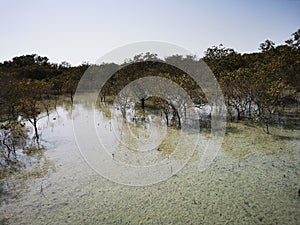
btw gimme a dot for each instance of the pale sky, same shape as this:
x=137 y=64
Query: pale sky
x=77 y=31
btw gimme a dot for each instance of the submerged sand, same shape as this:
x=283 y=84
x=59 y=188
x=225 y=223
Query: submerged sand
x=253 y=180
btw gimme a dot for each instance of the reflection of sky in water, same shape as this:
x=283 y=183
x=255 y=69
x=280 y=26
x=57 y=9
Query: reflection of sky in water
x=140 y=139
x=135 y=145
x=254 y=178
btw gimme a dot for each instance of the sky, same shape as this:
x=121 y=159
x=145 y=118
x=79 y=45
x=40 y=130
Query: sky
x=83 y=31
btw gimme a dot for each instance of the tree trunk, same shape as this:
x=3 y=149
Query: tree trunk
x=143 y=103
x=36 y=129
x=71 y=96
x=34 y=124
x=176 y=114
x=167 y=118
x=8 y=148
x=267 y=127
x=238 y=113
x=249 y=109
x=123 y=111
x=179 y=120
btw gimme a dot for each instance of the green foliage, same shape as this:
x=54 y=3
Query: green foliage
x=268 y=45
x=31 y=66
x=255 y=85
x=258 y=85
x=295 y=41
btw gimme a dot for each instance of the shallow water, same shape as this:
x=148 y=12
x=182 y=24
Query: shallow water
x=253 y=180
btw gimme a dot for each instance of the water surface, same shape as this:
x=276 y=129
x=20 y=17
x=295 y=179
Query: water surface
x=253 y=180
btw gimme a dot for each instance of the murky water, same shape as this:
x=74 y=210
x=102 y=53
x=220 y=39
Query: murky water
x=254 y=179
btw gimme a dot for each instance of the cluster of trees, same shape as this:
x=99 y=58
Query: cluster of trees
x=255 y=85
x=258 y=85
x=30 y=85
x=143 y=67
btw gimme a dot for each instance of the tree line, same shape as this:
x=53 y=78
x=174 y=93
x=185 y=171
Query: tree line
x=256 y=86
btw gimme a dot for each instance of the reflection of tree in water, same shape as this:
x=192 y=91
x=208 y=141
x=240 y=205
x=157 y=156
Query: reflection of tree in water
x=136 y=112
x=135 y=143
x=136 y=132
x=105 y=109
x=168 y=145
